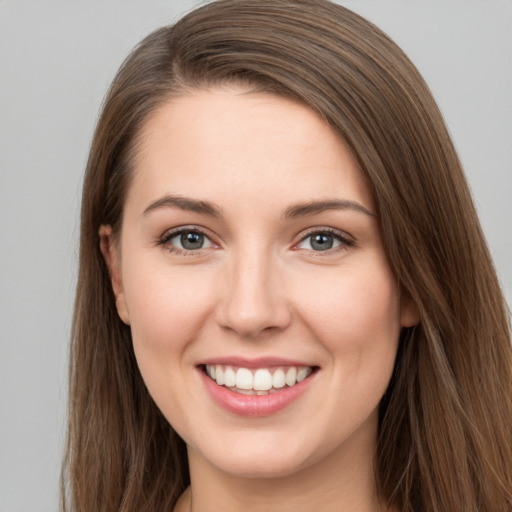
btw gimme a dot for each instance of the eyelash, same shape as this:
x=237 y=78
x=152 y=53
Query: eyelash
x=169 y=235
x=344 y=241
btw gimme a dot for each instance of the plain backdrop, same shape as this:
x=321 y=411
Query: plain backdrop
x=56 y=61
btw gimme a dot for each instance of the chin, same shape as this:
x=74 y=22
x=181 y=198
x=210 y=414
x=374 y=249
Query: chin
x=262 y=456
x=260 y=467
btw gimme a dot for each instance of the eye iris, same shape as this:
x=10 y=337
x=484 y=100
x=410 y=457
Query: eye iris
x=321 y=242
x=191 y=240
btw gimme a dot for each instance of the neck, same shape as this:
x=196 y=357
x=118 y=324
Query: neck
x=343 y=480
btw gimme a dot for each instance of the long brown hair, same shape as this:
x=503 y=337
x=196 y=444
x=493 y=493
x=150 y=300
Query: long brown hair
x=445 y=434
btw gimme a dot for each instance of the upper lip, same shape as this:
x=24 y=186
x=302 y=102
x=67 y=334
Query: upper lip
x=259 y=362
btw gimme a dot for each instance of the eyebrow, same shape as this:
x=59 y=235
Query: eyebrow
x=182 y=203
x=315 y=207
x=293 y=212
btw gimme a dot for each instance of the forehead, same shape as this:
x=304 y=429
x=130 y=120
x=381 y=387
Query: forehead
x=228 y=141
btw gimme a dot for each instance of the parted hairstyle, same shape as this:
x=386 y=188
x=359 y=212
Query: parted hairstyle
x=445 y=422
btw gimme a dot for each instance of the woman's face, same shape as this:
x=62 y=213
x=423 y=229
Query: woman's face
x=250 y=252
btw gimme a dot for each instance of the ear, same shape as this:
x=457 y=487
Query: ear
x=409 y=312
x=112 y=259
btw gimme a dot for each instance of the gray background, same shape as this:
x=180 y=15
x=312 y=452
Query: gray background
x=56 y=61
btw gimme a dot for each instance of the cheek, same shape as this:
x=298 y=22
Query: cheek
x=167 y=311
x=354 y=311
x=167 y=308
x=357 y=323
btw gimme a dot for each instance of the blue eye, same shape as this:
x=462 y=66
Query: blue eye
x=191 y=241
x=186 y=240
x=321 y=242
x=324 y=240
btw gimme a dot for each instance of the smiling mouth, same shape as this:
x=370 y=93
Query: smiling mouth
x=257 y=381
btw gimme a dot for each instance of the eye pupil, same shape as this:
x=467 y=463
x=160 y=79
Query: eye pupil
x=321 y=242
x=192 y=240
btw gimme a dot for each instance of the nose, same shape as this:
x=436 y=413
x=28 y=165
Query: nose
x=253 y=300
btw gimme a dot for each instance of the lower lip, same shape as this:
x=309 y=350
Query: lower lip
x=254 y=405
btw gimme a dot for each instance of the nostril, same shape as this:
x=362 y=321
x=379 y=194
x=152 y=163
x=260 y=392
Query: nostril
x=251 y=302
x=253 y=320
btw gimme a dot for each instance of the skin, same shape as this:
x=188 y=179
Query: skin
x=258 y=288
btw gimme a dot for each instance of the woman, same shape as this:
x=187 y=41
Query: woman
x=285 y=300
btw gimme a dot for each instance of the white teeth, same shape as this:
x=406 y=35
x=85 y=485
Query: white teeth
x=291 y=376
x=219 y=375
x=278 y=379
x=261 y=381
x=229 y=377
x=243 y=379
x=303 y=373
